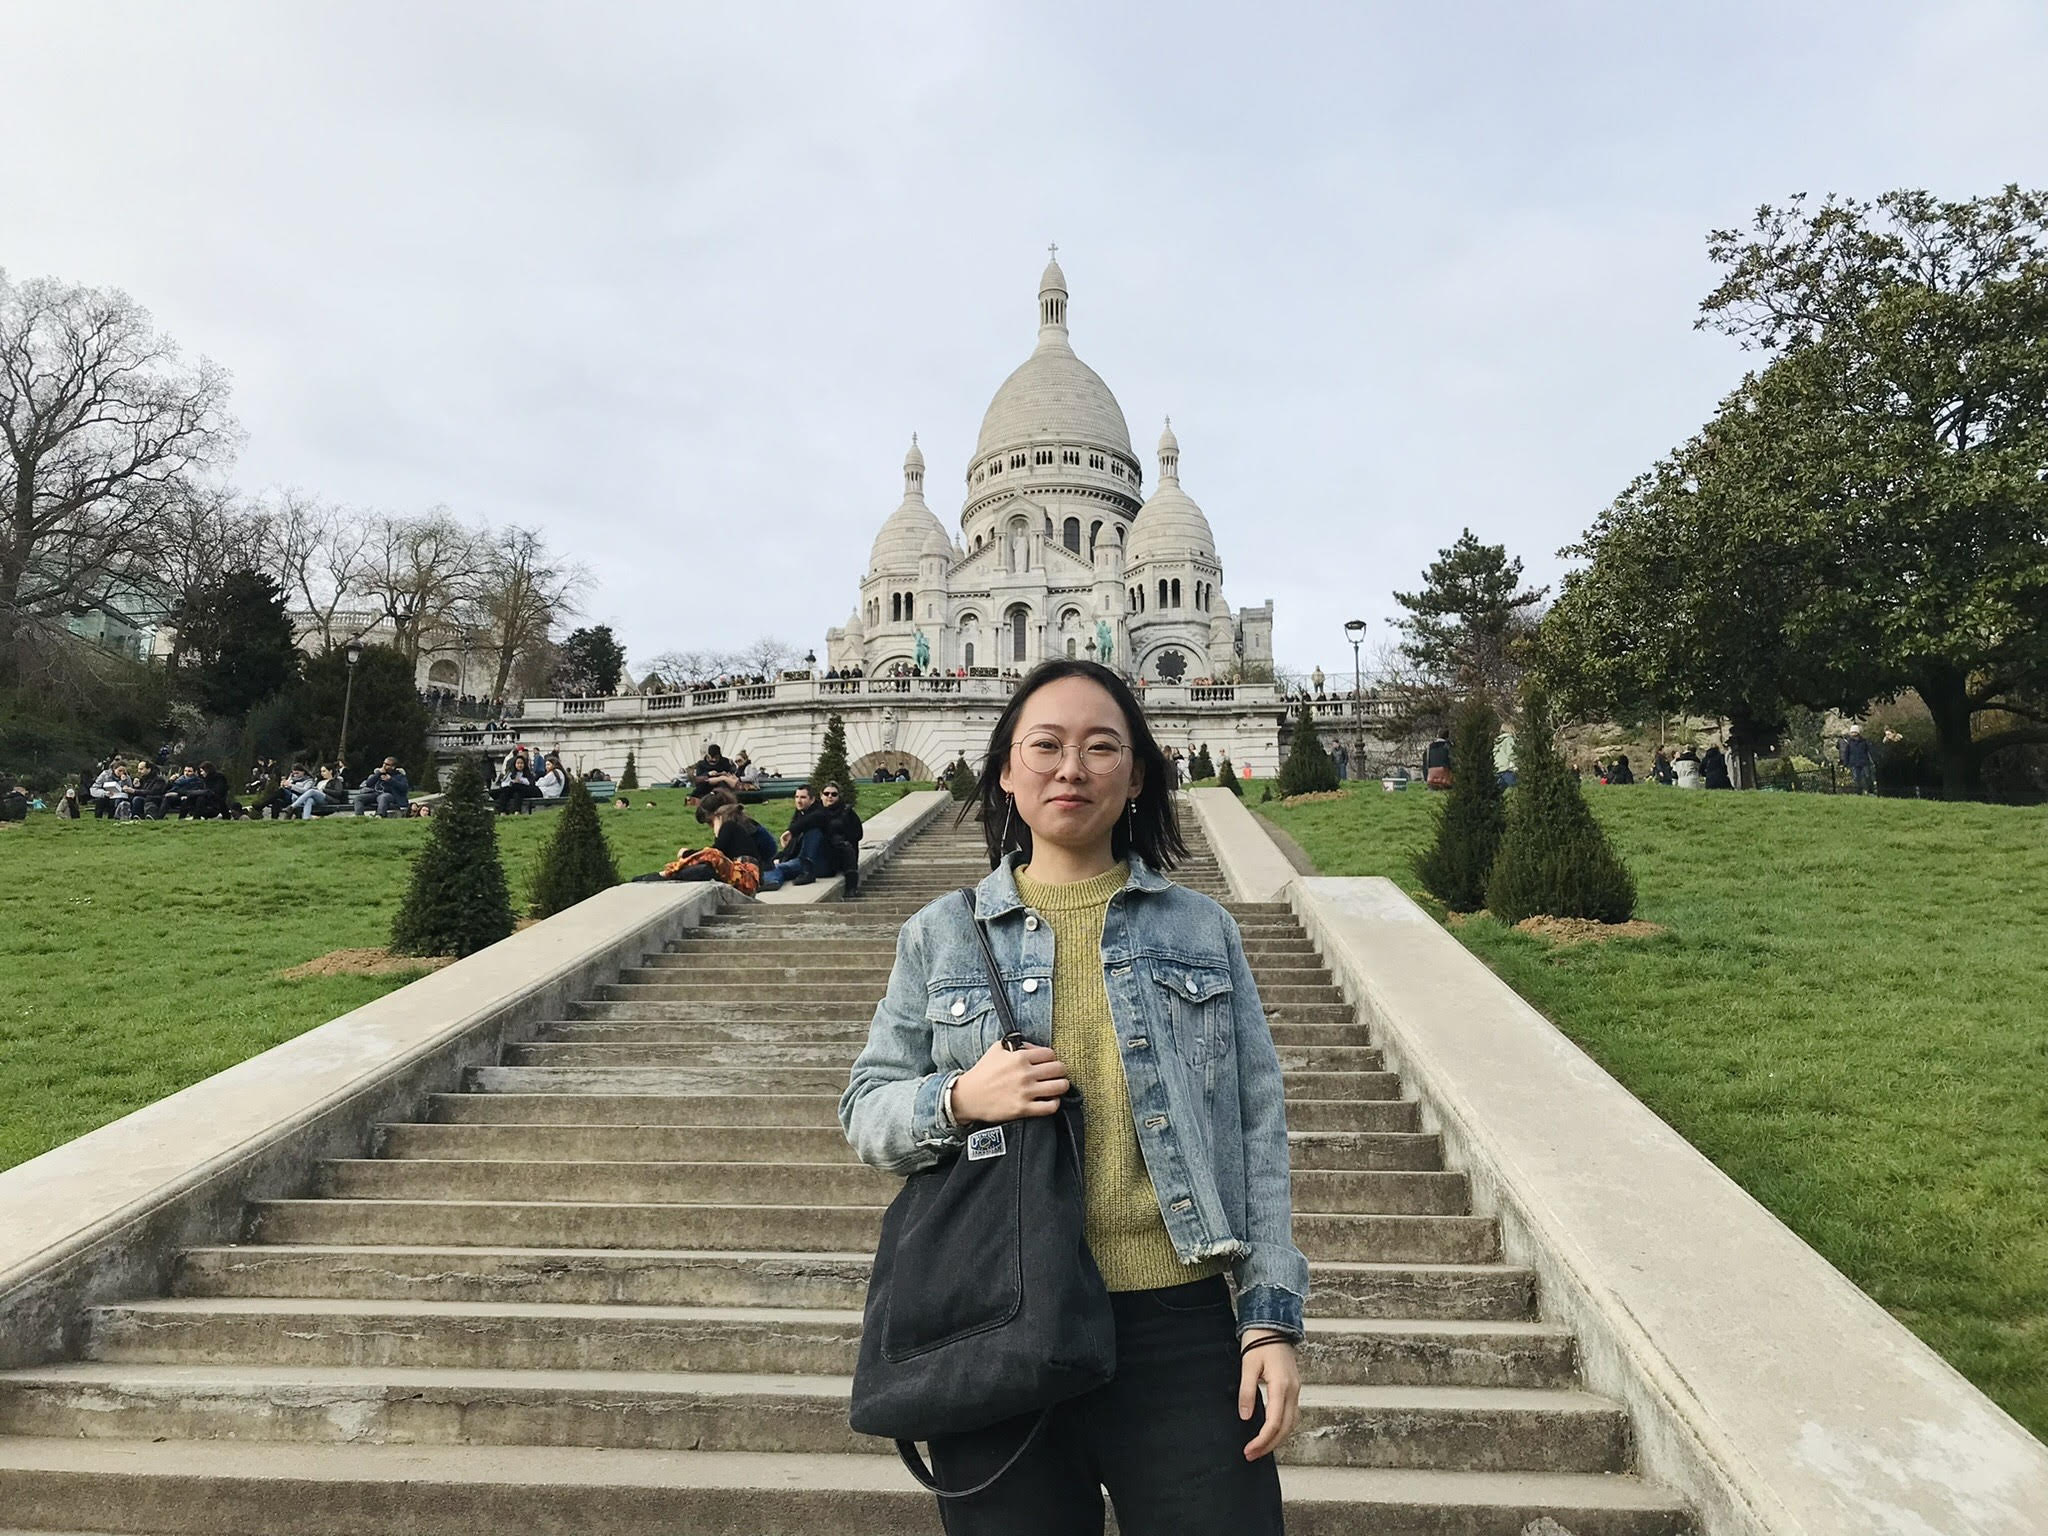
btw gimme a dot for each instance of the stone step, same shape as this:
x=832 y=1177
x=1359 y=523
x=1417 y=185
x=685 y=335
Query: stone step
x=1478 y=1292
x=1445 y=1428
x=624 y=1028
x=1430 y=1239
x=637 y=983
x=223 y=1488
x=1401 y=1191
x=845 y=974
x=740 y=950
x=515 y=1336
x=799 y=1109
x=849 y=1010
x=775 y=1144
x=618 y=1143
x=730 y=1080
x=797 y=1050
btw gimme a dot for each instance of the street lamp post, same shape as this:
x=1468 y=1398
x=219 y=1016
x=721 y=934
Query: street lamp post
x=1354 y=631
x=355 y=654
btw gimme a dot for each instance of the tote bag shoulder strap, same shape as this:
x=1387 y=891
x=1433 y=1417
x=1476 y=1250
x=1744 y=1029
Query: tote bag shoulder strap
x=995 y=976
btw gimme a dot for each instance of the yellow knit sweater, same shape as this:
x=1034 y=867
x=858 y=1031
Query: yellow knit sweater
x=1126 y=1232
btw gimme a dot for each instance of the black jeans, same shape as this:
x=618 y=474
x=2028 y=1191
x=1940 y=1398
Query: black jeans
x=1164 y=1438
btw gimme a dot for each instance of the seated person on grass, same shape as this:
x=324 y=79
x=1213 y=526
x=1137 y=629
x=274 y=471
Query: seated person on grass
x=714 y=770
x=516 y=787
x=386 y=791
x=553 y=782
x=146 y=800
x=282 y=800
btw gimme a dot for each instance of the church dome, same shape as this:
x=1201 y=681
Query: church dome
x=1053 y=395
x=1169 y=526
x=913 y=529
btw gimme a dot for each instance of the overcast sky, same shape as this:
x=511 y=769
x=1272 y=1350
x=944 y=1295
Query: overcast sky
x=677 y=282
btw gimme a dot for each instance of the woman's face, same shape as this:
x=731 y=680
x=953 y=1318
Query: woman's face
x=1073 y=800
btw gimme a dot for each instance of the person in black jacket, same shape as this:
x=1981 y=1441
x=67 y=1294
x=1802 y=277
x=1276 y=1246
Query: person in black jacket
x=803 y=851
x=147 y=798
x=843 y=831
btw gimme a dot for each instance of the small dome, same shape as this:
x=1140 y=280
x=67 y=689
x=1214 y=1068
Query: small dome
x=854 y=625
x=909 y=532
x=1052 y=280
x=1169 y=526
x=915 y=458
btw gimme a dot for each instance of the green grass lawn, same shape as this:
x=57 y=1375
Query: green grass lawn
x=1849 y=1015
x=138 y=957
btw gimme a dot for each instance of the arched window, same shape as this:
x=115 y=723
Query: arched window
x=1162 y=591
x=895 y=607
x=1070 y=647
x=1119 y=535
x=1095 y=461
x=1018 y=617
x=1069 y=456
x=977 y=541
x=1016 y=461
x=969 y=653
x=1176 y=592
x=1094 y=535
x=1070 y=535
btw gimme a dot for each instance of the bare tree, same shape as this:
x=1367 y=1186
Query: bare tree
x=766 y=656
x=99 y=421
x=419 y=572
x=681 y=669
x=522 y=590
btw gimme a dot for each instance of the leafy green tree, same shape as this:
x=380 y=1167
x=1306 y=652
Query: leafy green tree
x=1554 y=859
x=457 y=902
x=590 y=661
x=385 y=715
x=629 y=776
x=1308 y=769
x=1226 y=777
x=1467 y=626
x=832 y=766
x=577 y=861
x=1870 y=504
x=1469 y=821
x=235 y=643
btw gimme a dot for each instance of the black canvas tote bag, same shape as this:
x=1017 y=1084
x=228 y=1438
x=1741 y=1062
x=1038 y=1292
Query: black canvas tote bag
x=984 y=1303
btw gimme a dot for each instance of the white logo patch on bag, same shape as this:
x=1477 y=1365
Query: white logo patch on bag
x=987 y=1142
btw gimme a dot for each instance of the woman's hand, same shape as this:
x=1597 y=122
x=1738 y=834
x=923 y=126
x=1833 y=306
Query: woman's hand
x=1008 y=1085
x=1278 y=1368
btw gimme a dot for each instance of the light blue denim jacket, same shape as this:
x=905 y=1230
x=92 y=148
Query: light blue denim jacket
x=1205 y=1088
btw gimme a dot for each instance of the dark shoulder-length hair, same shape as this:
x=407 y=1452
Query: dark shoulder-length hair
x=1153 y=832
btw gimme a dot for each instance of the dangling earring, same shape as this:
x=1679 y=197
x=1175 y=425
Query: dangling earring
x=1132 y=843
x=1003 y=842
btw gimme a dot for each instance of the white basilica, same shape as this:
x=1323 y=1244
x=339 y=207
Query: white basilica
x=1060 y=554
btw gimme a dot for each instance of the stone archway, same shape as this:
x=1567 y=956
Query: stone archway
x=892 y=761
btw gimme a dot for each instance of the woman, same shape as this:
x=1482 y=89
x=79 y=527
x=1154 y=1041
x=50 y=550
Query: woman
x=740 y=848
x=516 y=787
x=1137 y=992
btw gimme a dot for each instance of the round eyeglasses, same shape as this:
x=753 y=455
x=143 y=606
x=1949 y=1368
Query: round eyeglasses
x=1044 y=754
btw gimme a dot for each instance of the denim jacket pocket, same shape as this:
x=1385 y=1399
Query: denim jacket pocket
x=1197 y=1006
x=962 y=1017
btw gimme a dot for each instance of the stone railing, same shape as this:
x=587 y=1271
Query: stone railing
x=807 y=690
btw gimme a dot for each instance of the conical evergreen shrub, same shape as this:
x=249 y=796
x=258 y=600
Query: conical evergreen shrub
x=1202 y=768
x=1308 y=769
x=1226 y=777
x=833 y=767
x=629 y=776
x=430 y=776
x=458 y=901
x=1469 y=819
x=1554 y=859
x=577 y=861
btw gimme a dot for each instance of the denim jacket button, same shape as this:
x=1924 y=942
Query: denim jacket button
x=1031 y=984
x=958 y=1009
x=1031 y=921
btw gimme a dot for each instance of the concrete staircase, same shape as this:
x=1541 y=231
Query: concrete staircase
x=615 y=1286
